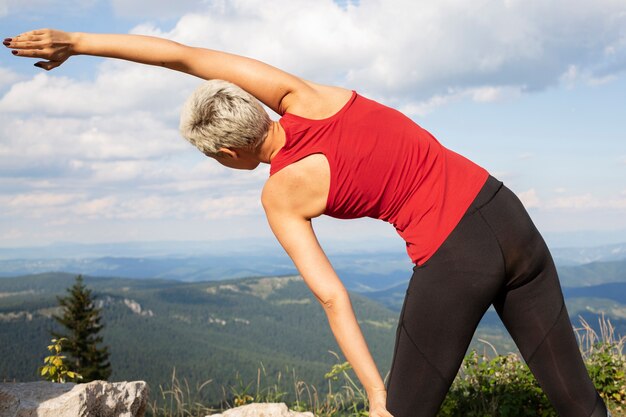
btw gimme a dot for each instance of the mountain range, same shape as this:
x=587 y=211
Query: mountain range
x=232 y=314
x=191 y=262
x=228 y=331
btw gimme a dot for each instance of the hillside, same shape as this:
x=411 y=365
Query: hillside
x=206 y=330
x=583 y=299
x=220 y=329
x=582 y=277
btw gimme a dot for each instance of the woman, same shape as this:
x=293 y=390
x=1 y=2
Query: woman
x=338 y=153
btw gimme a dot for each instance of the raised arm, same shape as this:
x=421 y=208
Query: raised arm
x=277 y=89
x=289 y=204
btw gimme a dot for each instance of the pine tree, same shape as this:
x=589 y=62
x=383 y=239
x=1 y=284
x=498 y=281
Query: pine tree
x=82 y=320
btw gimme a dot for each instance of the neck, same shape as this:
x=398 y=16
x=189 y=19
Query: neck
x=274 y=141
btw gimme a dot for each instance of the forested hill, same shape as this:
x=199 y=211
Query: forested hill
x=206 y=330
x=218 y=330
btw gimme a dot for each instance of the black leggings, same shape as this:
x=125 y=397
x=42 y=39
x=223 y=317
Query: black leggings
x=495 y=255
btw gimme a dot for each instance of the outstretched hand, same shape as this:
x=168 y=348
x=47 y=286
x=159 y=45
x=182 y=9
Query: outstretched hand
x=54 y=46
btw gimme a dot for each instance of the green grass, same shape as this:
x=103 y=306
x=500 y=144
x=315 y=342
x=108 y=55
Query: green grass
x=486 y=385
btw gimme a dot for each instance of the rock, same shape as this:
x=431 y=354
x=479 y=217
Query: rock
x=262 y=410
x=51 y=399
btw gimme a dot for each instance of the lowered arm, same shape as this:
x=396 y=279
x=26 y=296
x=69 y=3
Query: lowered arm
x=288 y=214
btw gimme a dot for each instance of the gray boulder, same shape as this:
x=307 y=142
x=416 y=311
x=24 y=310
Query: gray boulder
x=50 y=399
x=262 y=410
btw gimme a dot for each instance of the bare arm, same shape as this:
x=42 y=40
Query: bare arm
x=289 y=206
x=275 y=88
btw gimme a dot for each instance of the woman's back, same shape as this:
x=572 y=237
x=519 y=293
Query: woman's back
x=385 y=166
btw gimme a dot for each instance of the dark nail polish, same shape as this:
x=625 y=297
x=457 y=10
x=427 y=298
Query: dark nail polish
x=14 y=52
x=5 y=43
x=8 y=39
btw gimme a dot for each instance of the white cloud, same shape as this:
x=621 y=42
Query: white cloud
x=420 y=55
x=574 y=202
x=422 y=108
x=494 y=94
x=73 y=151
x=8 y=77
x=13 y=233
x=47 y=141
x=36 y=205
x=570 y=76
x=27 y=201
x=96 y=207
x=417 y=56
x=119 y=87
x=231 y=206
x=580 y=202
x=413 y=49
x=586 y=202
x=594 y=81
x=530 y=199
x=486 y=94
x=574 y=76
x=76 y=208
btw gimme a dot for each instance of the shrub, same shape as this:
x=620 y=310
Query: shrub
x=501 y=386
x=605 y=361
x=55 y=369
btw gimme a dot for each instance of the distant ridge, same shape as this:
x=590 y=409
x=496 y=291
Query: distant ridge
x=584 y=255
x=360 y=271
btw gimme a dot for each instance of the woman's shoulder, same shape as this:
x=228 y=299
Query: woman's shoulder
x=317 y=101
x=302 y=185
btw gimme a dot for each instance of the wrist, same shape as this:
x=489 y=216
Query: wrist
x=77 y=43
x=376 y=394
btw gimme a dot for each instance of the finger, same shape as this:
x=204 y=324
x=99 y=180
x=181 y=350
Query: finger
x=26 y=37
x=29 y=53
x=32 y=33
x=25 y=43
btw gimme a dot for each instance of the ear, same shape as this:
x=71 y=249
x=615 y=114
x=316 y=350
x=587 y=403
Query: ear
x=228 y=153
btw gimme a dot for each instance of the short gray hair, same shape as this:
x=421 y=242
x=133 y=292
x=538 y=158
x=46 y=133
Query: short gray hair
x=219 y=114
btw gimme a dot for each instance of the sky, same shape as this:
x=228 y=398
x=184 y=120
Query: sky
x=532 y=91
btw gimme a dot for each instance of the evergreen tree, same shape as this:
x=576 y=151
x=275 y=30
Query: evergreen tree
x=82 y=319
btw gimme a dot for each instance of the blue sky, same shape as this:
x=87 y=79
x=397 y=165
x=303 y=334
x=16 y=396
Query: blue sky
x=535 y=93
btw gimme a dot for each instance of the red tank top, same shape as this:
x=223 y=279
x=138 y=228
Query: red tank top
x=383 y=165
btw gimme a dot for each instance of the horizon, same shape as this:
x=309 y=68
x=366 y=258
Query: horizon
x=241 y=246
x=601 y=239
